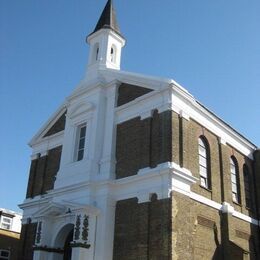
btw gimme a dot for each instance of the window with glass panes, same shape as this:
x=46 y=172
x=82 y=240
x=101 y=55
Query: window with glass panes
x=247 y=186
x=203 y=164
x=81 y=142
x=234 y=180
x=6 y=222
x=4 y=254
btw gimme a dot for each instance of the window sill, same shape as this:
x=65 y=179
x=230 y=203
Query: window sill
x=249 y=209
x=75 y=162
x=205 y=188
x=237 y=203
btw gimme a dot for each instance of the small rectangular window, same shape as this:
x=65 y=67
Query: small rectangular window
x=4 y=254
x=234 y=181
x=81 y=142
x=203 y=163
x=6 y=222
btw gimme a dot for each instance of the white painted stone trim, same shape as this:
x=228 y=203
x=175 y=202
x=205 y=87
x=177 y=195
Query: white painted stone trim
x=246 y=218
x=44 y=129
x=162 y=180
x=143 y=106
x=224 y=207
x=210 y=121
x=188 y=105
x=47 y=143
x=227 y=208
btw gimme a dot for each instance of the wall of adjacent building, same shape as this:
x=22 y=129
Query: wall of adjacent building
x=10 y=241
x=10 y=238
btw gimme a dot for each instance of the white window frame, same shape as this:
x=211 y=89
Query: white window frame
x=5 y=257
x=234 y=180
x=203 y=168
x=96 y=52
x=77 y=115
x=113 y=52
x=3 y=222
x=78 y=147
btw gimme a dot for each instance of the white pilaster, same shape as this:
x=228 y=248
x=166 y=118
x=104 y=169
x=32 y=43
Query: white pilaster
x=108 y=156
x=105 y=229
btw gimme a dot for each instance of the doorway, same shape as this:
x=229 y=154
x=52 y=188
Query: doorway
x=67 y=246
x=63 y=240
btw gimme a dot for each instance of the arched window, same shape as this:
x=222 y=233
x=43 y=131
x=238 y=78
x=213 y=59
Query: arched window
x=204 y=165
x=95 y=54
x=113 y=54
x=234 y=180
x=247 y=186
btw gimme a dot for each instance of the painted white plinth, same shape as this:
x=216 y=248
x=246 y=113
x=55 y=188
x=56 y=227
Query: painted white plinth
x=80 y=253
x=40 y=255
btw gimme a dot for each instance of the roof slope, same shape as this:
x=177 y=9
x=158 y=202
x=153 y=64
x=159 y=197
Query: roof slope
x=107 y=19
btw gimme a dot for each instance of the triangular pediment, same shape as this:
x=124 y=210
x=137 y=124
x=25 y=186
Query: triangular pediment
x=53 y=126
x=79 y=109
x=58 y=126
x=140 y=80
x=51 y=209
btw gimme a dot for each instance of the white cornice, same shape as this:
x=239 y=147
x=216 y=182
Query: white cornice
x=181 y=103
x=86 y=87
x=136 y=79
x=106 y=31
x=47 y=143
x=163 y=180
x=187 y=108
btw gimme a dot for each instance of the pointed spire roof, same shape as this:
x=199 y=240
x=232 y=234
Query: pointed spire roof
x=107 y=19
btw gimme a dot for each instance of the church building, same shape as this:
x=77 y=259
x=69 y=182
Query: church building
x=133 y=167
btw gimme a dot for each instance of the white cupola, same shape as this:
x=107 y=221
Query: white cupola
x=105 y=42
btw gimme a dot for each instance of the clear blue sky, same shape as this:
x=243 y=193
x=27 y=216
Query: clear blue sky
x=212 y=48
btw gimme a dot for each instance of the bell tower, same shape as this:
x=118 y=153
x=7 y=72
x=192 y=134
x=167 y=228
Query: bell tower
x=106 y=43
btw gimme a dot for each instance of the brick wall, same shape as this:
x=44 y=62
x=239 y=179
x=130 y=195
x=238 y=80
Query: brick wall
x=58 y=126
x=127 y=93
x=182 y=229
x=219 y=166
x=10 y=241
x=27 y=241
x=191 y=131
x=201 y=232
x=142 y=231
x=52 y=167
x=143 y=143
x=42 y=173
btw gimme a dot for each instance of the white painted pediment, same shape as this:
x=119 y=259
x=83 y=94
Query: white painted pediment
x=78 y=207
x=155 y=83
x=80 y=109
x=51 y=209
x=39 y=136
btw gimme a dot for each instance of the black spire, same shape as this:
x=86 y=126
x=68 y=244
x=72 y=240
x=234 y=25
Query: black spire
x=107 y=19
